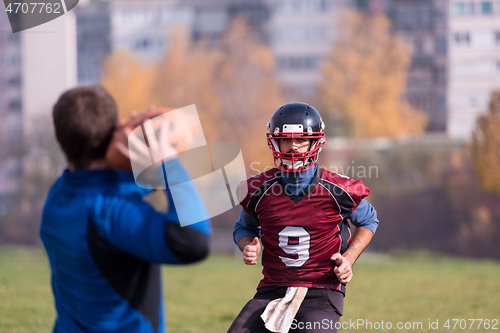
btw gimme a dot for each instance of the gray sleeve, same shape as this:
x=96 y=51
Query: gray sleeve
x=246 y=225
x=365 y=216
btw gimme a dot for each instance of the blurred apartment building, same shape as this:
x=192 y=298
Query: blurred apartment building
x=35 y=67
x=143 y=26
x=456 y=57
x=473 y=62
x=303 y=31
x=423 y=25
x=93 y=23
x=301 y=35
x=455 y=44
x=10 y=110
x=49 y=67
x=300 y=32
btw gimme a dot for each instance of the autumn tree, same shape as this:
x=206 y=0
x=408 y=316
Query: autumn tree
x=364 y=76
x=129 y=81
x=232 y=84
x=184 y=75
x=248 y=92
x=486 y=146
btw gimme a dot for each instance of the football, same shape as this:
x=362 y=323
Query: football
x=182 y=130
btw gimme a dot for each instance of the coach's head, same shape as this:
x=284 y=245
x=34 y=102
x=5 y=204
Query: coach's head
x=84 y=121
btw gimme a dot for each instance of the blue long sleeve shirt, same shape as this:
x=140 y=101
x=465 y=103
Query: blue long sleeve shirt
x=105 y=245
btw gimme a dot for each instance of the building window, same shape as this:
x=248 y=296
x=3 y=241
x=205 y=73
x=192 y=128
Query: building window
x=459 y=9
x=441 y=45
x=469 y=8
x=279 y=7
x=497 y=37
x=417 y=46
x=143 y=44
x=15 y=61
x=302 y=35
x=15 y=105
x=323 y=6
x=462 y=38
x=297 y=6
x=302 y=6
x=15 y=134
x=441 y=103
x=15 y=82
x=413 y=19
x=362 y=4
x=14 y=38
x=16 y=172
x=440 y=75
x=440 y=17
x=486 y=8
x=298 y=62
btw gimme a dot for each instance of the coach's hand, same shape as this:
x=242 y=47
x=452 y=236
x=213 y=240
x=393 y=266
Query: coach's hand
x=343 y=269
x=250 y=248
x=140 y=153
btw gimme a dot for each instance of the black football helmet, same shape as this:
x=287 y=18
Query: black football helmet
x=295 y=120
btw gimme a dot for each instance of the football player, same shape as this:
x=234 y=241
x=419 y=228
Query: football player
x=299 y=211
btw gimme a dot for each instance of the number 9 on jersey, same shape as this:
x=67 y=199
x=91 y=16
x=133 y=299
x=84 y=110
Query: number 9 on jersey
x=294 y=241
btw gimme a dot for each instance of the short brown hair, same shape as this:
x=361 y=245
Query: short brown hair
x=84 y=120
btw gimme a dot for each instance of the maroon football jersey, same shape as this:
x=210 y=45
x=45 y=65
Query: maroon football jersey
x=301 y=233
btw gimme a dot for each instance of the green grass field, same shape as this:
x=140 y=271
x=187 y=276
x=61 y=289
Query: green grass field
x=407 y=289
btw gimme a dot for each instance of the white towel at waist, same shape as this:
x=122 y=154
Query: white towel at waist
x=279 y=313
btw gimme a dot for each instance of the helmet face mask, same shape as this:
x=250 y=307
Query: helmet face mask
x=296 y=121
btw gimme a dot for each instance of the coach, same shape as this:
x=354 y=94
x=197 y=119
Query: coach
x=104 y=243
